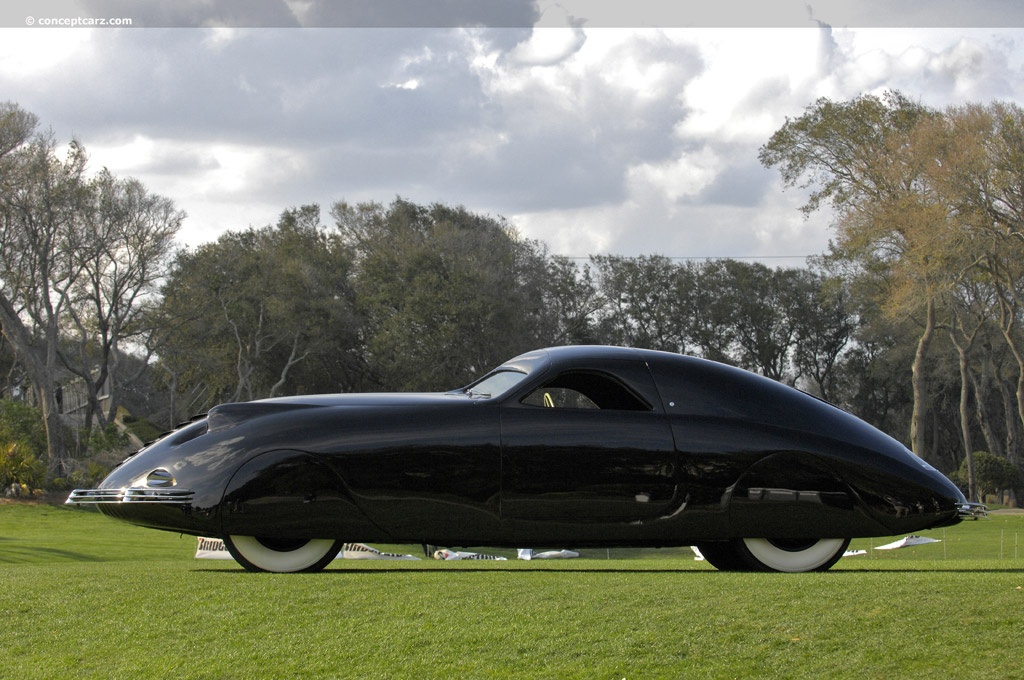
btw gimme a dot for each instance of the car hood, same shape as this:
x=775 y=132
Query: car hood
x=230 y=414
x=366 y=399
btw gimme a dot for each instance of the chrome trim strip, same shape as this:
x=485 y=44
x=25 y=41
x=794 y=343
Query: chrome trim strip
x=130 y=495
x=972 y=511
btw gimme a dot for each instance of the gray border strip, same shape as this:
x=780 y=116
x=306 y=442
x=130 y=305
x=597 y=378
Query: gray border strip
x=40 y=14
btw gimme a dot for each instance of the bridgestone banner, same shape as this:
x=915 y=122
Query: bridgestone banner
x=211 y=549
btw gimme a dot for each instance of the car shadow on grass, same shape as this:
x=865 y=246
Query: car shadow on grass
x=833 y=573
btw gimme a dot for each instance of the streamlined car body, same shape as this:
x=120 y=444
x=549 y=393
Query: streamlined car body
x=566 y=446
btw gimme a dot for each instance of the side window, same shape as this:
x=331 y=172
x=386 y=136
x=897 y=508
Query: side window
x=584 y=390
x=559 y=397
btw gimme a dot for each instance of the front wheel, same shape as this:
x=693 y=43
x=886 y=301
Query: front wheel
x=282 y=555
x=792 y=555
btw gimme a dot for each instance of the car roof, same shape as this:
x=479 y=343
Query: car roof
x=576 y=353
x=566 y=357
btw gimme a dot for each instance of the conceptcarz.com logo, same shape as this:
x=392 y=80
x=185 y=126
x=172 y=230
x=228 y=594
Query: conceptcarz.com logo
x=77 y=22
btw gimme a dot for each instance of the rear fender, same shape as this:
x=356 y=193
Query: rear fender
x=795 y=495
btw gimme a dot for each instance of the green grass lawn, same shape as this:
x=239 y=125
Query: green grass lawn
x=85 y=596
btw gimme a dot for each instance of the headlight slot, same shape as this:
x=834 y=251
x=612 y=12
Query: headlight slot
x=160 y=479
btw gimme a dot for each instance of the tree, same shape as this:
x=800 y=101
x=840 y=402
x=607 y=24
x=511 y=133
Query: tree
x=128 y=237
x=868 y=159
x=707 y=317
x=989 y=175
x=445 y=294
x=78 y=258
x=994 y=474
x=763 y=308
x=969 y=317
x=41 y=206
x=16 y=128
x=243 y=314
x=824 y=325
x=571 y=303
x=642 y=302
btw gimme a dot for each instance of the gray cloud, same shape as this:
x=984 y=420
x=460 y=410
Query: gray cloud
x=275 y=87
x=592 y=143
x=742 y=184
x=384 y=110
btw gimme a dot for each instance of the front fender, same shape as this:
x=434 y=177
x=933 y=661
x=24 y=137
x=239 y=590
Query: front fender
x=174 y=484
x=291 y=494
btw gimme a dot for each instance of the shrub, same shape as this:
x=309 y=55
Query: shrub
x=102 y=441
x=992 y=474
x=143 y=429
x=22 y=445
x=19 y=466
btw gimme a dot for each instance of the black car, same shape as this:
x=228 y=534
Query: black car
x=567 y=446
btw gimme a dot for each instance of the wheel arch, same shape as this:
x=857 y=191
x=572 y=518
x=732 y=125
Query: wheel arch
x=796 y=494
x=289 y=494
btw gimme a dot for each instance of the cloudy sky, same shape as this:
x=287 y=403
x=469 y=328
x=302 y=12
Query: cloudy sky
x=593 y=128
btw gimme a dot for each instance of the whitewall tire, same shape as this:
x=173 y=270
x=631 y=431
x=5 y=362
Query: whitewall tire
x=282 y=556
x=793 y=555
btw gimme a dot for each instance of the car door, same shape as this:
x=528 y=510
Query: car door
x=586 y=458
x=424 y=472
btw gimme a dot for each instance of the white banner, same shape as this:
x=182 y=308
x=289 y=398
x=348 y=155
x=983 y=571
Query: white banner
x=211 y=549
x=360 y=551
x=907 y=542
x=214 y=549
x=529 y=554
x=449 y=555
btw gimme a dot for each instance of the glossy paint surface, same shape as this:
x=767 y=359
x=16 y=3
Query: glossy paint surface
x=586 y=446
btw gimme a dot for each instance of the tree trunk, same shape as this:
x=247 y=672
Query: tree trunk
x=917 y=434
x=1008 y=313
x=293 y=359
x=1010 y=418
x=981 y=384
x=1011 y=452
x=965 y=419
x=54 y=424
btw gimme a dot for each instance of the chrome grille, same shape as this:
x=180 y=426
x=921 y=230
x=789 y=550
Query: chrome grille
x=972 y=510
x=130 y=495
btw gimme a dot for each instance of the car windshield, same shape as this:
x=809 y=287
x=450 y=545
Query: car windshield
x=495 y=384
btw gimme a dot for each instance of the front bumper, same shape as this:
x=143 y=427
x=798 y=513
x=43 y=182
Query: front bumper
x=131 y=495
x=972 y=511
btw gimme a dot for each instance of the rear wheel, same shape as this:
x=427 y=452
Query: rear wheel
x=791 y=555
x=279 y=555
